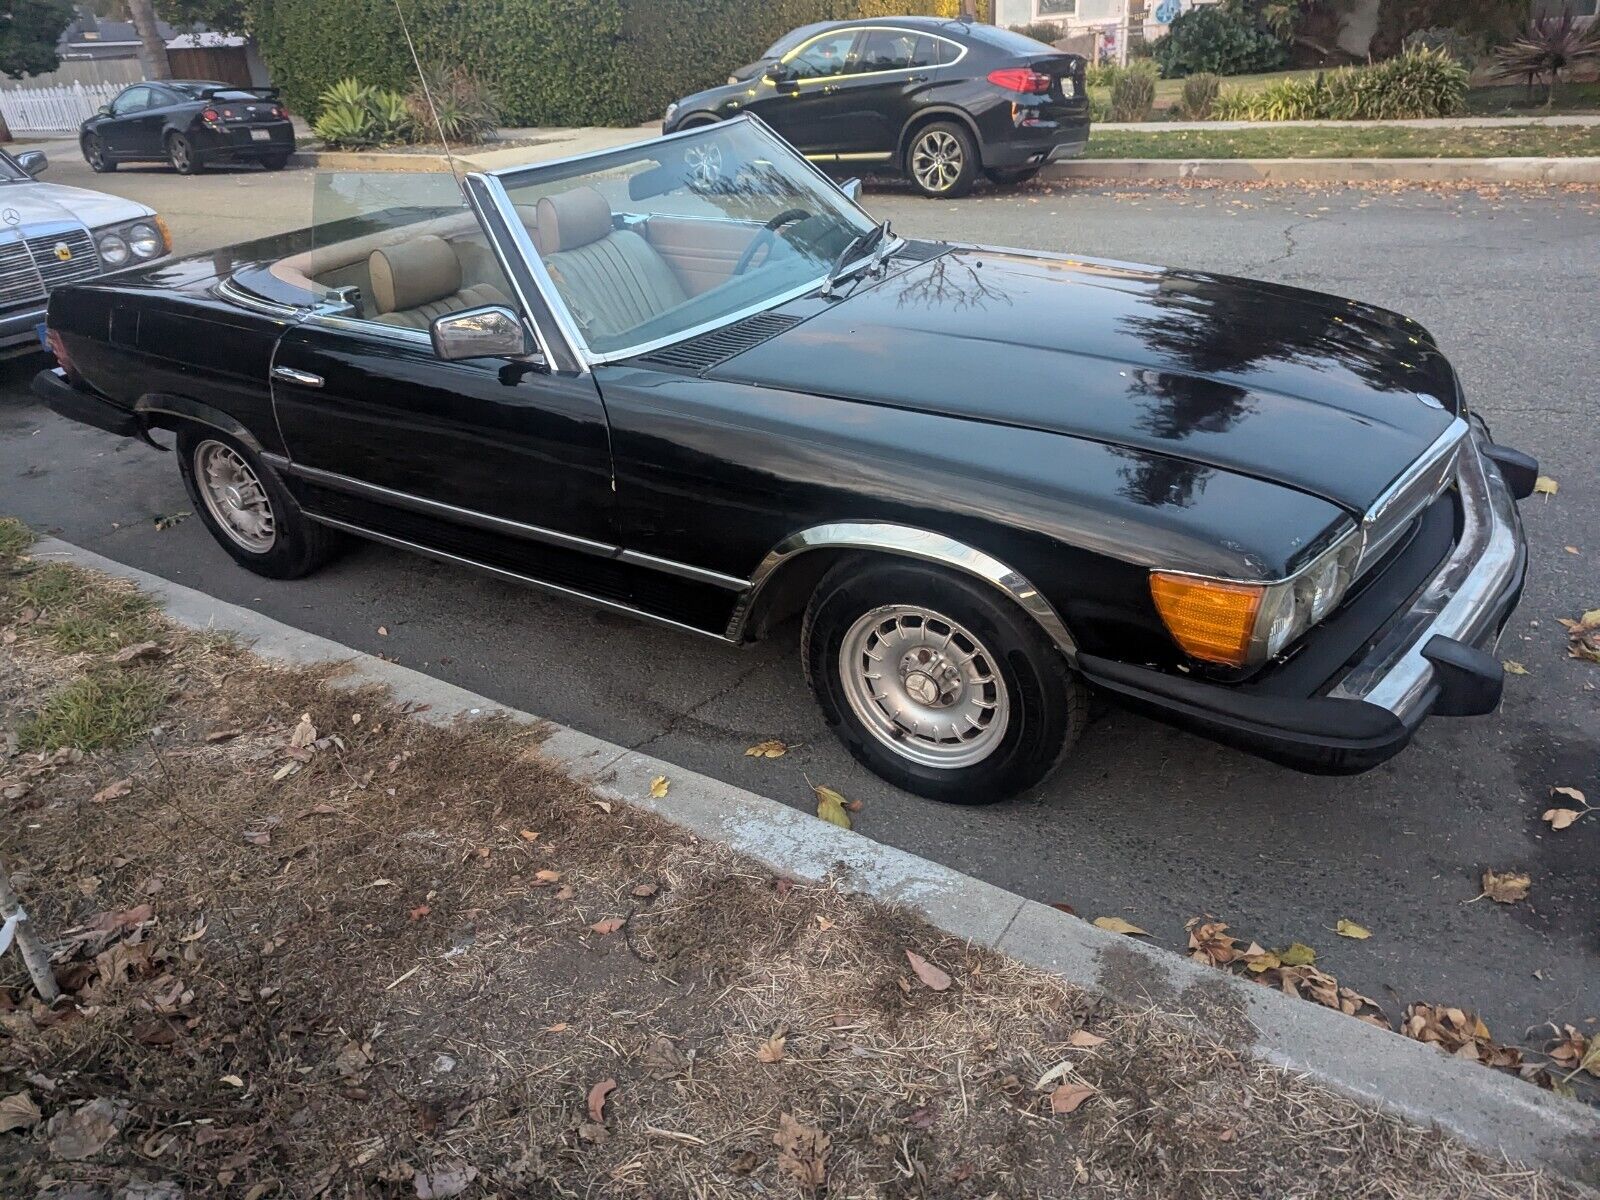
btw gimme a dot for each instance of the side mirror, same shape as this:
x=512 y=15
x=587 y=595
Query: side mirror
x=491 y=332
x=852 y=190
x=33 y=162
x=104 y=110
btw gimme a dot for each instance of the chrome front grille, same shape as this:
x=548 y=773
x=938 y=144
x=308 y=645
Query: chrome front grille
x=40 y=259
x=1417 y=487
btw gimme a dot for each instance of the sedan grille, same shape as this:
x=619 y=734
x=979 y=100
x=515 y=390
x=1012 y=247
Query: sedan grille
x=32 y=267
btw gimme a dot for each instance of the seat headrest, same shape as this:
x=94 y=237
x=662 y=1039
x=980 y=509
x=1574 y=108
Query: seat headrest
x=572 y=219
x=413 y=273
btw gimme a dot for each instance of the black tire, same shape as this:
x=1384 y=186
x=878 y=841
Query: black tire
x=94 y=153
x=276 y=162
x=1047 y=701
x=942 y=160
x=1010 y=176
x=298 y=545
x=181 y=155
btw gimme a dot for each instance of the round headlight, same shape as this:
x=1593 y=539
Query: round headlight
x=1319 y=590
x=144 y=241
x=113 y=250
x=672 y=111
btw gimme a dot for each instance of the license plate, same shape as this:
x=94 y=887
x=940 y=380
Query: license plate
x=261 y=135
x=43 y=332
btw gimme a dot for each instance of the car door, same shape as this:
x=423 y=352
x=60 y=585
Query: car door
x=118 y=132
x=802 y=102
x=876 y=97
x=148 y=126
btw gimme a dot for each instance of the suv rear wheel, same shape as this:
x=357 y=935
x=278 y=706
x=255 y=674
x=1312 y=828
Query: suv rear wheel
x=937 y=682
x=942 y=160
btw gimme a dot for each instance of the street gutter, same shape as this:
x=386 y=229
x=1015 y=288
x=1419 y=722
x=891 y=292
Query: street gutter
x=1487 y=1109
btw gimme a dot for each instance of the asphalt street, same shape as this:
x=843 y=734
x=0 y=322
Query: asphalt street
x=1142 y=822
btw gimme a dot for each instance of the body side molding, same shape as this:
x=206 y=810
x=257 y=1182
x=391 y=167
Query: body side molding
x=911 y=543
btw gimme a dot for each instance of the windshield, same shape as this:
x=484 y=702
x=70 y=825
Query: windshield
x=650 y=243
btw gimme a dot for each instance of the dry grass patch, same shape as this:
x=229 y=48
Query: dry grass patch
x=315 y=946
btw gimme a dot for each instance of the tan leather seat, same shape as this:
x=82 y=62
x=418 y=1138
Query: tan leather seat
x=612 y=279
x=416 y=282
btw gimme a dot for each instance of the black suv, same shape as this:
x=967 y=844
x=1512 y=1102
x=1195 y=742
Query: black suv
x=938 y=99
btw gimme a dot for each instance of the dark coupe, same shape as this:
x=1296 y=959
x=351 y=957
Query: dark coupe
x=190 y=124
x=941 y=101
x=691 y=380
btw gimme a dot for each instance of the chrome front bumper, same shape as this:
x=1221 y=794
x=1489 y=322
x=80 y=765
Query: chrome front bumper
x=1466 y=602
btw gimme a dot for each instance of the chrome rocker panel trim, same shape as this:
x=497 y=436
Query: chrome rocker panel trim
x=1461 y=601
x=910 y=543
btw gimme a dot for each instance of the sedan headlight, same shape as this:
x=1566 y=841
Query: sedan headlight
x=1243 y=624
x=672 y=111
x=133 y=241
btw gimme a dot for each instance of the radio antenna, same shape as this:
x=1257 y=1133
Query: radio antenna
x=427 y=94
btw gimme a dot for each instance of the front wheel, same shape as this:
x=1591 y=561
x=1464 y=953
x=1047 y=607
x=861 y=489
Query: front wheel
x=1010 y=177
x=94 y=153
x=247 y=509
x=943 y=160
x=937 y=682
x=181 y=154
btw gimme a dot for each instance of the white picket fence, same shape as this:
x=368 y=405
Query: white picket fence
x=58 y=109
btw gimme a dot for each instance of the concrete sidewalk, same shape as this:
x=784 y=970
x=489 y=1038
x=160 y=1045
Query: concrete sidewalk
x=1554 y=120
x=1485 y=1108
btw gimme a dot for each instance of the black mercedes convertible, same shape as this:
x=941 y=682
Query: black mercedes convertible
x=692 y=380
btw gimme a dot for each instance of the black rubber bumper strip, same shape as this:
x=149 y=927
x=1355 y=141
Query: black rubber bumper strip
x=1317 y=735
x=78 y=404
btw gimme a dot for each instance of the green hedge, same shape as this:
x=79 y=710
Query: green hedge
x=547 y=62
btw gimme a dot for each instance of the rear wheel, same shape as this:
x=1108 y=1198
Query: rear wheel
x=937 y=682
x=276 y=162
x=94 y=153
x=247 y=509
x=943 y=160
x=1010 y=177
x=181 y=154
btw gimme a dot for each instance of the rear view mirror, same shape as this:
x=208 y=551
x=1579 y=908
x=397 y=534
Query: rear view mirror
x=33 y=162
x=491 y=332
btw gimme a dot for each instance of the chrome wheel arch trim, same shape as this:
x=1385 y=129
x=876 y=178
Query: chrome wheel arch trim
x=908 y=542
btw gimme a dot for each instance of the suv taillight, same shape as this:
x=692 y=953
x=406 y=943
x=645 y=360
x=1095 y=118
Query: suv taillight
x=1020 y=79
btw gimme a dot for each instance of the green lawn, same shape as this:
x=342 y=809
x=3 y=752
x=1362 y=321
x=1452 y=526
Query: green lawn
x=1366 y=141
x=1513 y=101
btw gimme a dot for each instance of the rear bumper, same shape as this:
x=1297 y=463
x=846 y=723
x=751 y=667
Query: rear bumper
x=236 y=146
x=1030 y=146
x=80 y=404
x=1436 y=658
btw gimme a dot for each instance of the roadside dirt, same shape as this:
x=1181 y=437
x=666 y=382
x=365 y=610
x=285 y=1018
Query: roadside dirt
x=315 y=946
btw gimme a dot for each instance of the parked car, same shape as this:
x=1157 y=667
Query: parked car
x=691 y=380
x=51 y=234
x=191 y=124
x=938 y=100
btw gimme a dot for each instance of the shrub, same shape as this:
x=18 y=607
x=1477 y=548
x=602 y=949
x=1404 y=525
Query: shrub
x=1133 y=94
x=1213 y=40
x=1198 y=95
x=1464 y=49
x=1101 y=75
x=461 y=107
x=1419 y=83
x=351 y=114
x=1291 y=99
x=1549 y=47
x=1047 y=32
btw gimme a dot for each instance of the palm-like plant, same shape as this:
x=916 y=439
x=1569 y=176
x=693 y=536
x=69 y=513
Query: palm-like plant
x=1547 y=48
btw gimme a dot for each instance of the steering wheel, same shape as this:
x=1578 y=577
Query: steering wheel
x=767 y=236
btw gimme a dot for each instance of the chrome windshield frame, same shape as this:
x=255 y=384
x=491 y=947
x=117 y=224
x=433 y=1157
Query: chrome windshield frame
x=489 y=188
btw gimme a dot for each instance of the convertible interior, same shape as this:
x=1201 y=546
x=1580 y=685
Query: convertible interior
x=617 y=275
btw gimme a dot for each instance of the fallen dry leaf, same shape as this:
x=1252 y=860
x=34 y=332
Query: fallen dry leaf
x=139 y=652
x=1209 y=942
x=419 y=912
x=645 y=890
x=84 y=1132
x=18 y=1111
x=1298 y=954
x=1084 y=1040
x=528 y=835
x=443 y=1182
x=545 y=875
x=1118 y=925
x=802 y=1151
x=1069 y=1096
x=1515 y=668
x=1546 y=486
x=1583 y=635
x=112 y=791
x=659 y=786
x=1506 y=887
x=1570 y=793
x=771 y=1050
x=1560 y=818
x=831 y=807
x=931 y=976
x=608 y=926
x=597 y=1100
x=304 y=733
x=1349 y=929
x=768 y=749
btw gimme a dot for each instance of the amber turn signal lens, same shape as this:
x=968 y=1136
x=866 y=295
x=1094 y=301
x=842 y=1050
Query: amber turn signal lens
x=1211 y=620
x=166 y=235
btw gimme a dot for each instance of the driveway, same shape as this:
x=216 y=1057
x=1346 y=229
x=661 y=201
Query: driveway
x=1143 y=822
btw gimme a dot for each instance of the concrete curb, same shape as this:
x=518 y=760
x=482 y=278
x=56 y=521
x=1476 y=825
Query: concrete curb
x=1485 y=1108
x=1334 y=170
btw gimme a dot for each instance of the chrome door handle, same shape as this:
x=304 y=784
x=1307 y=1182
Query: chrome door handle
x=303 y=378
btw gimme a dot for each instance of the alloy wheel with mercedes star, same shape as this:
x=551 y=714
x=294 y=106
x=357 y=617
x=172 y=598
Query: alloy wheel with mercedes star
x=693 y=381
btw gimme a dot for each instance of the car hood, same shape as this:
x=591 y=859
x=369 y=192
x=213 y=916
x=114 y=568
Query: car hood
x=39 y=203
x=1325 y=395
